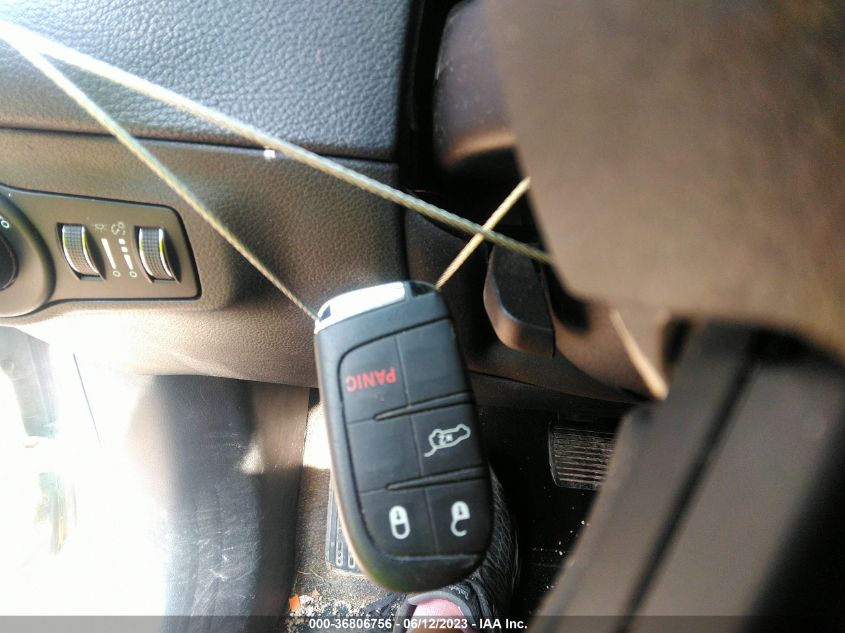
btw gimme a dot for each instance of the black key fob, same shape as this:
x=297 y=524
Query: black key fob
x=410 y=476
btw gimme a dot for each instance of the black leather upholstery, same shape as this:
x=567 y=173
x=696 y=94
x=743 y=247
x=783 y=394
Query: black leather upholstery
x=322 y=73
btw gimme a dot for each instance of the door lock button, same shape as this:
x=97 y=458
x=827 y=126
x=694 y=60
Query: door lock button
x=398 y=521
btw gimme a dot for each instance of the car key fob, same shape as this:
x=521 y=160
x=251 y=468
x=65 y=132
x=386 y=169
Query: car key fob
x=411 y=480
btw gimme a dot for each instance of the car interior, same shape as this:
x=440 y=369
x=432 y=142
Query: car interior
x=316 y=313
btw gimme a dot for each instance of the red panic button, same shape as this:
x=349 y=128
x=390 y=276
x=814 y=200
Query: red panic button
x=371 y=380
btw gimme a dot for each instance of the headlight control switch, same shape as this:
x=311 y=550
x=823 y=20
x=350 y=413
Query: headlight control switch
x=8 y=264
x=410 y=476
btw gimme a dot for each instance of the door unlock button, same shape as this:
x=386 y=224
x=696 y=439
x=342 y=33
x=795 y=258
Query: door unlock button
x=460 y=516
x=460 y=512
